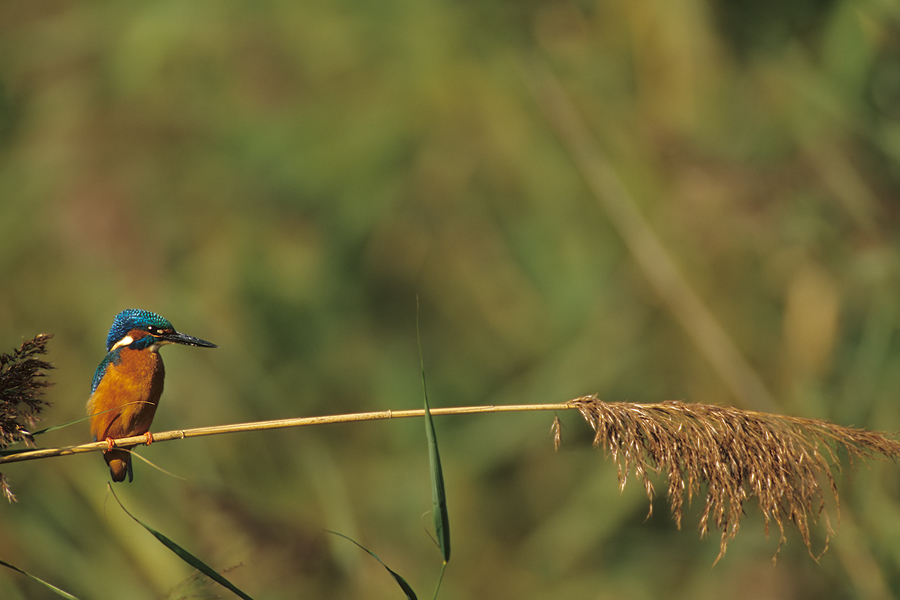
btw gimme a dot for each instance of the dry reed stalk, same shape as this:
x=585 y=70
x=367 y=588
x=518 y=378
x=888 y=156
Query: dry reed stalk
x=785 y=462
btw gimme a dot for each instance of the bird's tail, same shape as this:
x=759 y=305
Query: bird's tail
x=119 y=461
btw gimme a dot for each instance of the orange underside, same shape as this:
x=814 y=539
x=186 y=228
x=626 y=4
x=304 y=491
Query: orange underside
x=125 y=402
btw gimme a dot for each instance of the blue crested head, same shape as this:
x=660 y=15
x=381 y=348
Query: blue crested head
x=134 y=318
x=136 y=329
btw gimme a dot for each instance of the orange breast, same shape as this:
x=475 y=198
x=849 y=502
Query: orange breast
x=125 y=400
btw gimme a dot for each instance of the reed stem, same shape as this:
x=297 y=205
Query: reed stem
x=165 y=436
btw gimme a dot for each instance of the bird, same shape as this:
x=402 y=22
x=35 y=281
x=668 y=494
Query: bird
x=128 y=383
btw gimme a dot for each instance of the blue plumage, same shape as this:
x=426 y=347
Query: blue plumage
x=134 y=318
x=110 y=358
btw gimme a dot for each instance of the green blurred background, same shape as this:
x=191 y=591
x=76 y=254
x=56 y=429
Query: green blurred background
x=283 y=178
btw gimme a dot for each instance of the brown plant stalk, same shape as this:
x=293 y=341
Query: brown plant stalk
x=784 y=462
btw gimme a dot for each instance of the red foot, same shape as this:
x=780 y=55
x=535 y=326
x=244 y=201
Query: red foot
x=149 y=437
x=110 y=444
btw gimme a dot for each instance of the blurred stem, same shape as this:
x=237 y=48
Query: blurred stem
x=440 y=579
x=643 y=244
x=860 y=564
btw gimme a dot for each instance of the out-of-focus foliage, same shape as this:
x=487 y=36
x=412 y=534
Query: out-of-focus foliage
x=282 y=178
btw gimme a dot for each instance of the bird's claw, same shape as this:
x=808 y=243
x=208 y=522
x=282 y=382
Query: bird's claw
x=149 y=437
x=110 y=444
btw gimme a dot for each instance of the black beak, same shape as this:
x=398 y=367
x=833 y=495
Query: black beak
x=187 y=340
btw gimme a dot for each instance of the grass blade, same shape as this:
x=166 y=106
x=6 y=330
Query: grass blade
x=184 y=554
x=410 y=594
x=63 y=425
x=51 y=587
x=438 y=495
x=34 y=434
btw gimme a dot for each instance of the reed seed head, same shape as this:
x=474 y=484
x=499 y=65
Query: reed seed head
x=21 y=386
x=784 y=462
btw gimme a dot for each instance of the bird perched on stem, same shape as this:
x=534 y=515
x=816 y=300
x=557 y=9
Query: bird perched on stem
x=129 y=382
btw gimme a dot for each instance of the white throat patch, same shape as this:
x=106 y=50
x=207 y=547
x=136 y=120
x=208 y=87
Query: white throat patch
x=123 y=342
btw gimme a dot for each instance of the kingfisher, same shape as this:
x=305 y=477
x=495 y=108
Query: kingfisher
x=129 y=382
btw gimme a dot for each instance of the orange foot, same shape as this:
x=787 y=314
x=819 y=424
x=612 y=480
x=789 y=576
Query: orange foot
x=110 y=444
x=149 y=437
